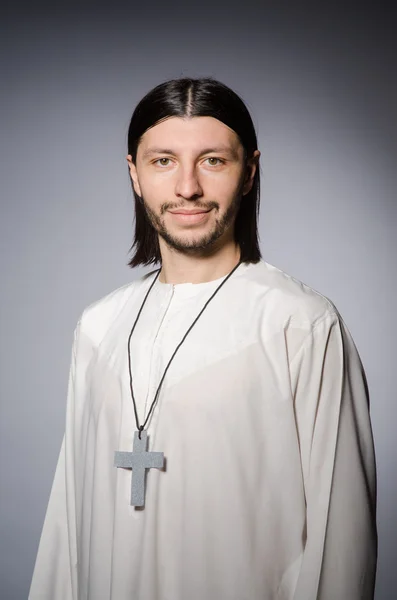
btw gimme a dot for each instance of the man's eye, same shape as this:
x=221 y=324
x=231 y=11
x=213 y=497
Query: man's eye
x=160 y=159
x=214 y=158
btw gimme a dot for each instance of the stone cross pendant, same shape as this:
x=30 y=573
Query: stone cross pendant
x=138 y=460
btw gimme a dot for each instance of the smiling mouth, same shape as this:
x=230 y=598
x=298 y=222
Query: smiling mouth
x=188 y=212
x=191 y=217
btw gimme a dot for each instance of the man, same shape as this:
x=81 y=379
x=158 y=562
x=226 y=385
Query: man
x=218 y=442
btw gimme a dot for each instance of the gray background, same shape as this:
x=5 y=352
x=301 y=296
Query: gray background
x=321 y=87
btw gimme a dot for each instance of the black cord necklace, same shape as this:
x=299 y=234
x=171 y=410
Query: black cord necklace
x=139 y=459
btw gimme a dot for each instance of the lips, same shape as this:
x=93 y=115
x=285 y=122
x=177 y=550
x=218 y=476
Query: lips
x=191 y=217
x=188 y=212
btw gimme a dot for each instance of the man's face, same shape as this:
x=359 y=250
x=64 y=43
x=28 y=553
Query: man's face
x=192 y=164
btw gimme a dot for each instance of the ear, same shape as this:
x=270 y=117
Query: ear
x=134 y=175
x=251 y=167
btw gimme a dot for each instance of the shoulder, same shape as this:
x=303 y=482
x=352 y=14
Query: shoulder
x=291 y=301
x=97 y=317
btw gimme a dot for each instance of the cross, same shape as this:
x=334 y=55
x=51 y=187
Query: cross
x=138 y=460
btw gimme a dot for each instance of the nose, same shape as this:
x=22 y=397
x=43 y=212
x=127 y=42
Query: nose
x=187 y=184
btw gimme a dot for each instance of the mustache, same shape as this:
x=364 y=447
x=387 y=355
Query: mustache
x=167 y=206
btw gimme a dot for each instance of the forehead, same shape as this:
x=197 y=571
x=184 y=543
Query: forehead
x=181 y=133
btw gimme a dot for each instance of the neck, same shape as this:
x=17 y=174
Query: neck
x=182 y=268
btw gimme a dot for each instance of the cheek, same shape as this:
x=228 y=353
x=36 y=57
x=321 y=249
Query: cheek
x=152 y=190
x=226 y=182
x=225 y=188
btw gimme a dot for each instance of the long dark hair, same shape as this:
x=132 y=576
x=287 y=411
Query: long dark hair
x=186 y=97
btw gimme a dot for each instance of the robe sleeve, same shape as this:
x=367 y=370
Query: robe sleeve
x=338 y=463
x=55 y=571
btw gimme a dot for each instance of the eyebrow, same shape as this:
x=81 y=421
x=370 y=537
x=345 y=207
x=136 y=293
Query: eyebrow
x=221 y=148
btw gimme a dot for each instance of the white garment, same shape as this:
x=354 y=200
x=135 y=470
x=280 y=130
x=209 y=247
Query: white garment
x=269 y=490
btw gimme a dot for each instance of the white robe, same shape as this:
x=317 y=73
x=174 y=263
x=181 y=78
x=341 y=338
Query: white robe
x=269 y=487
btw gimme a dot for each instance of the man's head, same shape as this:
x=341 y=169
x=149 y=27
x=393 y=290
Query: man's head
x=192 y=146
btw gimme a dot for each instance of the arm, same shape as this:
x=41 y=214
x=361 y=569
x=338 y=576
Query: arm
x=55 y=572
x=338 y=465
